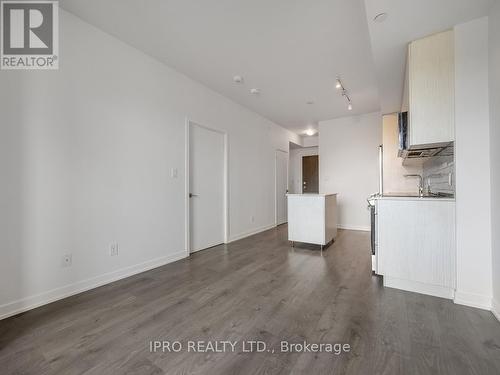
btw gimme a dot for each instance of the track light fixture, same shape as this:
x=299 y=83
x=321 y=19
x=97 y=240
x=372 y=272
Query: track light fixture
x=343 y=91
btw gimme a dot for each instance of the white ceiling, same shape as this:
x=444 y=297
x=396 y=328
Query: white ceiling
x=409 y=20
x=291 y=49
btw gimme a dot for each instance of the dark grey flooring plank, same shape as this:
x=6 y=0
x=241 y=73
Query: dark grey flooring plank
x=258 y=288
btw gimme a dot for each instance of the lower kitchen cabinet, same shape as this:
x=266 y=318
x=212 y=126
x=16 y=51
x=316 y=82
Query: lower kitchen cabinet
x=416 y=244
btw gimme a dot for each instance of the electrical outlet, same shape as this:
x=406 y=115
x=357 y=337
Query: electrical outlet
x=252 y=219
x=113 y=249
x=67 y=260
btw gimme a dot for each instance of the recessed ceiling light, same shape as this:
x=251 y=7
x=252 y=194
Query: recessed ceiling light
x=310 y=132
x=255 y=91
x=238 y=79
x=381 y=17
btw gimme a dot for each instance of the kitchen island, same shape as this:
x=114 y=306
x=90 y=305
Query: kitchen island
x=312 y=218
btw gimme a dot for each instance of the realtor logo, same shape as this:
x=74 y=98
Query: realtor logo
x=29 y=35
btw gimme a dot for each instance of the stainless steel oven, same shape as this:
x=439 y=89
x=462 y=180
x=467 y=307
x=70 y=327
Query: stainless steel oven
x=373 y=229
x=372 y=207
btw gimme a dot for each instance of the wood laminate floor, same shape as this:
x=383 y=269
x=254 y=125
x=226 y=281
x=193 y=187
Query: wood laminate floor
x=258 y=288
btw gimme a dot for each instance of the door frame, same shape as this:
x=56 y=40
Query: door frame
x=276 y=181
x=187 y=206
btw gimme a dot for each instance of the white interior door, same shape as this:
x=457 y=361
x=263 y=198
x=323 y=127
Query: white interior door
x=281 y=186
x=206 y=187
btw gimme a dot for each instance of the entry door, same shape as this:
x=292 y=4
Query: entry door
x=281 y=186
x=310 y=174
x=206 y=187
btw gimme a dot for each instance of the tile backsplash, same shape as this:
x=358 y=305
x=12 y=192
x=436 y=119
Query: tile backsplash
x=439 y=172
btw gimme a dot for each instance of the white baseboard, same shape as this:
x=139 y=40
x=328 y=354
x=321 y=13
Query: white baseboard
x=250 y=233
x=473 y=300
x=495 y=308
x=53 y=295
x=417 y=287
x=354 y=227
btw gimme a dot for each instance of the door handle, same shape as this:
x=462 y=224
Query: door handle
x=192 y=195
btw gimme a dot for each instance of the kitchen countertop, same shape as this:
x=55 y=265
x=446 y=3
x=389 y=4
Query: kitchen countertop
x=413 y=196
x=310 y=195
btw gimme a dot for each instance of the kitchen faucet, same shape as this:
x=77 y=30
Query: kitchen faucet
x=420 y=185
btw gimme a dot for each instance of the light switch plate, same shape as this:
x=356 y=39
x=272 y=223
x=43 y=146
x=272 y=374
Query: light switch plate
x=113 y=249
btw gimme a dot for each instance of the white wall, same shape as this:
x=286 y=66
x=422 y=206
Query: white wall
x=394 y=182
x=310 y=141
x=85 y=159
x=348 y=160
x=494 y=81
x=295 y=167
x=474 y=283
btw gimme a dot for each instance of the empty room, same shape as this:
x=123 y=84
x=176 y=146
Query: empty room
x=250 y=187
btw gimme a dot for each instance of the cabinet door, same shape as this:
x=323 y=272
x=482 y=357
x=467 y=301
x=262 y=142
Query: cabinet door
x=432 y=90
x=416 y=241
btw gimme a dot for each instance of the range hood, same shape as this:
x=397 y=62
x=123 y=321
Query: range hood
x=441 y=150
x=419 y=153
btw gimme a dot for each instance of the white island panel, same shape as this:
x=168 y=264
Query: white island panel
x=312 y=218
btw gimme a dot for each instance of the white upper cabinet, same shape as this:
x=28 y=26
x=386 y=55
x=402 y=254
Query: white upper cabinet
x=431 y=90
